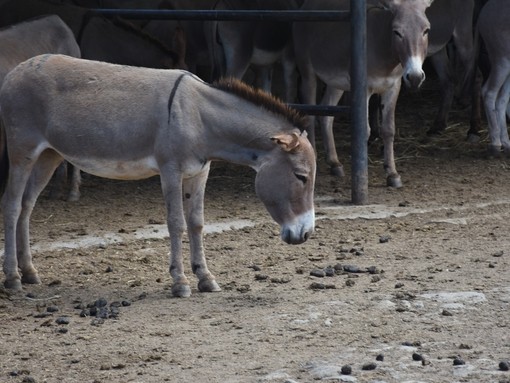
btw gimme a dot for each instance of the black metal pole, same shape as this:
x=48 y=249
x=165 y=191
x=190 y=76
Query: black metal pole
x=225 y=15
x=359 y=115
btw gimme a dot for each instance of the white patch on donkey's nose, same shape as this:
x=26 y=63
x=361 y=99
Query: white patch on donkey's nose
x=300 y=229
x=413 y=73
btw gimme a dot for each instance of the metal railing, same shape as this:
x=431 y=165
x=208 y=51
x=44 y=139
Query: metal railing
x=358 y=108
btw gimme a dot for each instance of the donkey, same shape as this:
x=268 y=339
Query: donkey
x=197 y=51
x=118 y=41
x=19 y=42
x=99 y=38
x=451 y=22
x=451 y=53
x=494 y=29
x=397 y=40
x=126 y=123
x=236 y=45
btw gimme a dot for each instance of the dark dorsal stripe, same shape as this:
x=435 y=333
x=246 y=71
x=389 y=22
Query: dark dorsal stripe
x=261 y=98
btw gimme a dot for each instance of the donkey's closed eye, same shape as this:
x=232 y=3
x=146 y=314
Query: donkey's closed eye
x=301 y=177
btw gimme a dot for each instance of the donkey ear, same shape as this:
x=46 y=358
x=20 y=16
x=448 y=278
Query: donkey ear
x=288 y=142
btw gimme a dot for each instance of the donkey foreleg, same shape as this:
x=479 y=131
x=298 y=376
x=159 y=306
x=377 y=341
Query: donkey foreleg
x=171 y=184
x=194 y=190
x=389 y=101
x=331 y=97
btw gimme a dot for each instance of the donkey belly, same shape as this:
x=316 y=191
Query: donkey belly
x=117 y=169
x=264 y=57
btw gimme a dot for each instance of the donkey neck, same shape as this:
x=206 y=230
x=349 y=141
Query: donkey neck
x=238 y=130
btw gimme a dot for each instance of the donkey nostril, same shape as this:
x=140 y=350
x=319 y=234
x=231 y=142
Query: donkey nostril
x=307 y=235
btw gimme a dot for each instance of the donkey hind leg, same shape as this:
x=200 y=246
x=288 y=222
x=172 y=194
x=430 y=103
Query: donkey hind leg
x=74 y=191
x=24 y=186
x=501 y=107
x=59 y=183
x=263 y=77
x=442 y=67
x=389 y=101
x=308 y=95
x=331 y=97
x=490 y=92
x=194 y=190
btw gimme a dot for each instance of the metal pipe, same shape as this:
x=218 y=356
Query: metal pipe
x=321 y=110
x=359 y=114
x=225 y=15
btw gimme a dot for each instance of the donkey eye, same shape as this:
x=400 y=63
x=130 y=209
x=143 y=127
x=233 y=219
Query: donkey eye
x=399 y=35
x=426 y=32
x=301 y=177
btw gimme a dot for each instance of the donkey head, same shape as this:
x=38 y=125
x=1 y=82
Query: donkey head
x=285 y=184
x=410 y=37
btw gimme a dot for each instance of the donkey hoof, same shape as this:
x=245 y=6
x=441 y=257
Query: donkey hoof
x=181 y=291
x=494 y=151
x=208 y=286
x=473 y=138
x=73 y=197
x=394 y=181
x=337 y=171
x=31 y=279
x=13 y=284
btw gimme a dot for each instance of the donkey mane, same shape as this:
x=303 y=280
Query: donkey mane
x=261 y=98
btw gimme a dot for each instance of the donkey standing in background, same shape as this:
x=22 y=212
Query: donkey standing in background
x=397 y=41
x=235 y=45
x=126 y=123
x=197 y=51
x=19 y=42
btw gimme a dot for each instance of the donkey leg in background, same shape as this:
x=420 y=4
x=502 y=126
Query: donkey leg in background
x=60 y=181
x=389 y=102
x=331 y=97
x=442 y=67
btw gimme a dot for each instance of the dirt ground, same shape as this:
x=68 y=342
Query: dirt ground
x=414 y=287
